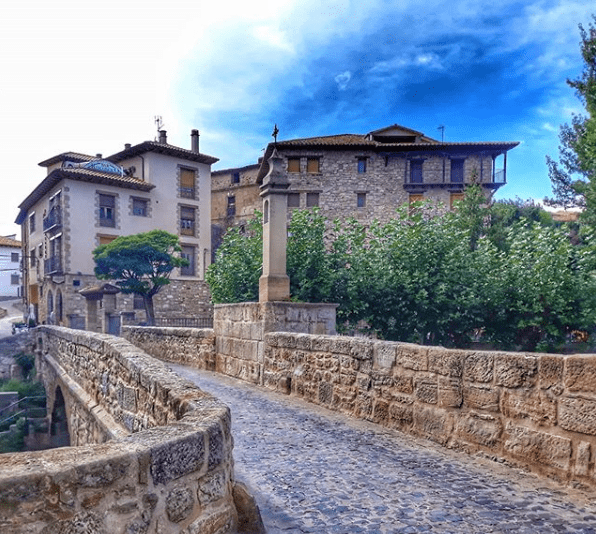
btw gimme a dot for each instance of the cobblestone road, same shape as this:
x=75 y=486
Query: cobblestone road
x=312 y=470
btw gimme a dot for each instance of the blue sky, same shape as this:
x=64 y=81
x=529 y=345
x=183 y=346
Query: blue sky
x=91 y=76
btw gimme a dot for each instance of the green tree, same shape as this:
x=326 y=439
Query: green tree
x=140 y=264
x=573 y=178
x=234 y=276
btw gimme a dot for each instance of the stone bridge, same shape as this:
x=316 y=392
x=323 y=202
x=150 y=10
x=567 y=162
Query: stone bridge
x=150 y=452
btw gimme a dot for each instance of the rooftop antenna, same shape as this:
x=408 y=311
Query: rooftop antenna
x=274 y=135
x=159 y=123
x=442 y=128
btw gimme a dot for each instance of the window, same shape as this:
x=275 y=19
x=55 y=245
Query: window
x=14 y=279
x=137 y=302
x=457 y=170
x=361 y=165
x=32 y=258
x=312 y=165
x=187 y=221
x=14 y=257
x=312 y=200
x=32 y=223
x=454 y=198
x=105 y=239
x=293 y=200
x=416 y=171
x=235 y=177
x=293 y=164
x=231 y=206
x=107 y=210
x=188 y=253
x=361 y=200
x=187 y=183
x=139 y=207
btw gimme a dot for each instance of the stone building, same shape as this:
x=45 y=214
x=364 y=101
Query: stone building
x=85 y=201
x=365 y=176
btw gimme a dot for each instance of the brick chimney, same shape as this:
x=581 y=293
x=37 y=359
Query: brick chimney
x=163 y=137
x=194 y=140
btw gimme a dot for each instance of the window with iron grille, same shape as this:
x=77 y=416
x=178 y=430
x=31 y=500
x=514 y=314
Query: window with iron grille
x=361 y=200
x=235 y=177
x=14 y=257
x=187 y=220
x=107 y=210
x=32 y=223
x=14 y=279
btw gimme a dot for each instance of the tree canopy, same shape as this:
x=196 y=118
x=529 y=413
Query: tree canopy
x=573 y=177
x=140 y=264
x=504 y=273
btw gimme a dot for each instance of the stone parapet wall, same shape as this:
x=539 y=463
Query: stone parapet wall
x=165 y=464
x=535 y=410
x=187 y=346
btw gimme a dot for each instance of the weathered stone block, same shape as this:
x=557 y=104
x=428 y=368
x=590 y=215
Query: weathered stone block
x=401 y=415
x=426 y=390
x=179 y=504
x=412 y=356
x=538 y=447
x=178 y=458
x=582 y=459
x=449 y=393
x=380 y=411
x=550 y=371
x=478 y=367
x=341 y=345
x=433 y=424
x=362 y=349
x=482 y=429
x=212 y=488
x=325 y=393
x=445 y=362
x=384 y=356
x=529 y=404
x=484 y=398
x=580 y=373
x=515 y=370
x=578 y=415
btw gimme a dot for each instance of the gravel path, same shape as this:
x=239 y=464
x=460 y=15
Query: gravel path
x=312 y=470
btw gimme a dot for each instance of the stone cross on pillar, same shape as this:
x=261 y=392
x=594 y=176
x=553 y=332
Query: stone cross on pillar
x=274 y=284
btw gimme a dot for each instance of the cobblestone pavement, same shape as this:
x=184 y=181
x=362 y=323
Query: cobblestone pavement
x=312 y=470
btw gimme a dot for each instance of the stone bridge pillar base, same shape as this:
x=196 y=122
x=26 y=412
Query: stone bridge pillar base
x=240 y=332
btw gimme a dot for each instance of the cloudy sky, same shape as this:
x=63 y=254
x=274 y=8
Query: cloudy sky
x=89 y=76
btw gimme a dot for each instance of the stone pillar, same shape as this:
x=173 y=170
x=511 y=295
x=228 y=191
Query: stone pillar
x=93 y=322
x=274 y=284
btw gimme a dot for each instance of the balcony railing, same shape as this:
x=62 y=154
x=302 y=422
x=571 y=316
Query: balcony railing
x=53 y=219
x=53 y=265
x=499 y=177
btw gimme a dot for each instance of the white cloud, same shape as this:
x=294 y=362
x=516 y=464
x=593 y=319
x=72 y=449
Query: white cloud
x=342 y=80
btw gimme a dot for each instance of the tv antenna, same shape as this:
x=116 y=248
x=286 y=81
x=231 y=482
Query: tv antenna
x=442 y=128
x=158 y=122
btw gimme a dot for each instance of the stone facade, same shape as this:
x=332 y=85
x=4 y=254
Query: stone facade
x=532 y=410
x=154 y=454
x=366 y=176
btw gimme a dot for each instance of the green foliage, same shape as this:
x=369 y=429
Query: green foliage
x=140 y=263
x=234 y=277
x=26 y=362
x=505 y=273
x=25 y=388
x=573 y=177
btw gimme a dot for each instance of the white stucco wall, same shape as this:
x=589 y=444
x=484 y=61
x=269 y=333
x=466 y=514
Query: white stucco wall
x=8 y=267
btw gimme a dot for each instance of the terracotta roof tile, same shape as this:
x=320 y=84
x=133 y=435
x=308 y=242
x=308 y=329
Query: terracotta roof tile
x=9 y=242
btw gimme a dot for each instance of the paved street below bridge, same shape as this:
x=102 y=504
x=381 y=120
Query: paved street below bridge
x=313 y=470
